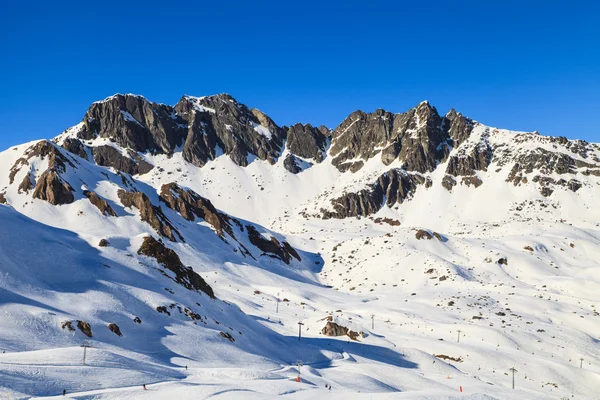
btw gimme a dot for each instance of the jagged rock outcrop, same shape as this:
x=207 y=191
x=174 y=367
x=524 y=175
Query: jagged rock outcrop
x=293 y=164
x=108 y=156
x=2 y=198
x=26 y=185
x=136 y=123
x=393 y=187
x=458 y=127
x=237 y=130
x=51 y=188
x=307 y=142
x=168 y=258
x=190 y=205
x=75 y=146
x=359 y=136
x=273 y=247
x=44 y=150
x=149 y=213
x=415 y=137
x=100 y=203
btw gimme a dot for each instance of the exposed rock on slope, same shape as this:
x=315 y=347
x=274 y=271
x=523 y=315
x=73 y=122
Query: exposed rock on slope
x=415 y=137
x=185 y=276
x=51 y=188
x=108 y=156
x=134 y=122
x=395 y=186
x=100 y=203
x=272 y=247
x=307 y=142
x=85 y=327
x=333 y=329
x=149 y=213
x=221 y=121
x=190 y=205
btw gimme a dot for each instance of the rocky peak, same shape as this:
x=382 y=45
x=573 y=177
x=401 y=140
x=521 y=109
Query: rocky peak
x=134 y=122
x=359 y=137
x=413 y=137
x=222 y=121
x=457 y=127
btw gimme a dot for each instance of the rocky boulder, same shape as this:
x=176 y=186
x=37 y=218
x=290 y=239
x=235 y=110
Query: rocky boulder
x=114 y=328
x=333 y=329
x=85 y=327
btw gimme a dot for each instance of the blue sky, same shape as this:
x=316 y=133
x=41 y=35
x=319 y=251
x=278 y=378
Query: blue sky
x=526 y=65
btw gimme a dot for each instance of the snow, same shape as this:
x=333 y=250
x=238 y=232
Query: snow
x=129 y=118
x=262 y=130
x=549 y=296
x=198 y=106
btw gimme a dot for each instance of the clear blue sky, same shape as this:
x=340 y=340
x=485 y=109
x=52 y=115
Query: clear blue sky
x=527 y=65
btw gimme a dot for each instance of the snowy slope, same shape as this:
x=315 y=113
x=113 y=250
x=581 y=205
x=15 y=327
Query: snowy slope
x=507 y=279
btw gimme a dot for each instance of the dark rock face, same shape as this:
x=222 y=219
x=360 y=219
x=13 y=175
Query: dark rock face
x=2 y=198
x=307 y=142
x=76 y=147
x=51 y=188
x=359 y=135
x=103 y=243
x=85 y=327
x=237 y=130
x=149 y=213
x=273 y=247
x=190 y=205
x=185 y=276
x=458 y=127
x=114 y=328
x=108 y=156
x=100 y=203
x=415 y=137
x=503 y=261
x=395 y=187
x=134 y=122
x=478 y=159
x=292 y=164
x=448 y=182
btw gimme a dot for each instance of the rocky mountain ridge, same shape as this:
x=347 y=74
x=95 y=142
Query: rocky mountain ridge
x=122 y=130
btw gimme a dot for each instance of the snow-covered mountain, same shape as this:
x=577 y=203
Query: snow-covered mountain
x=185 y=243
